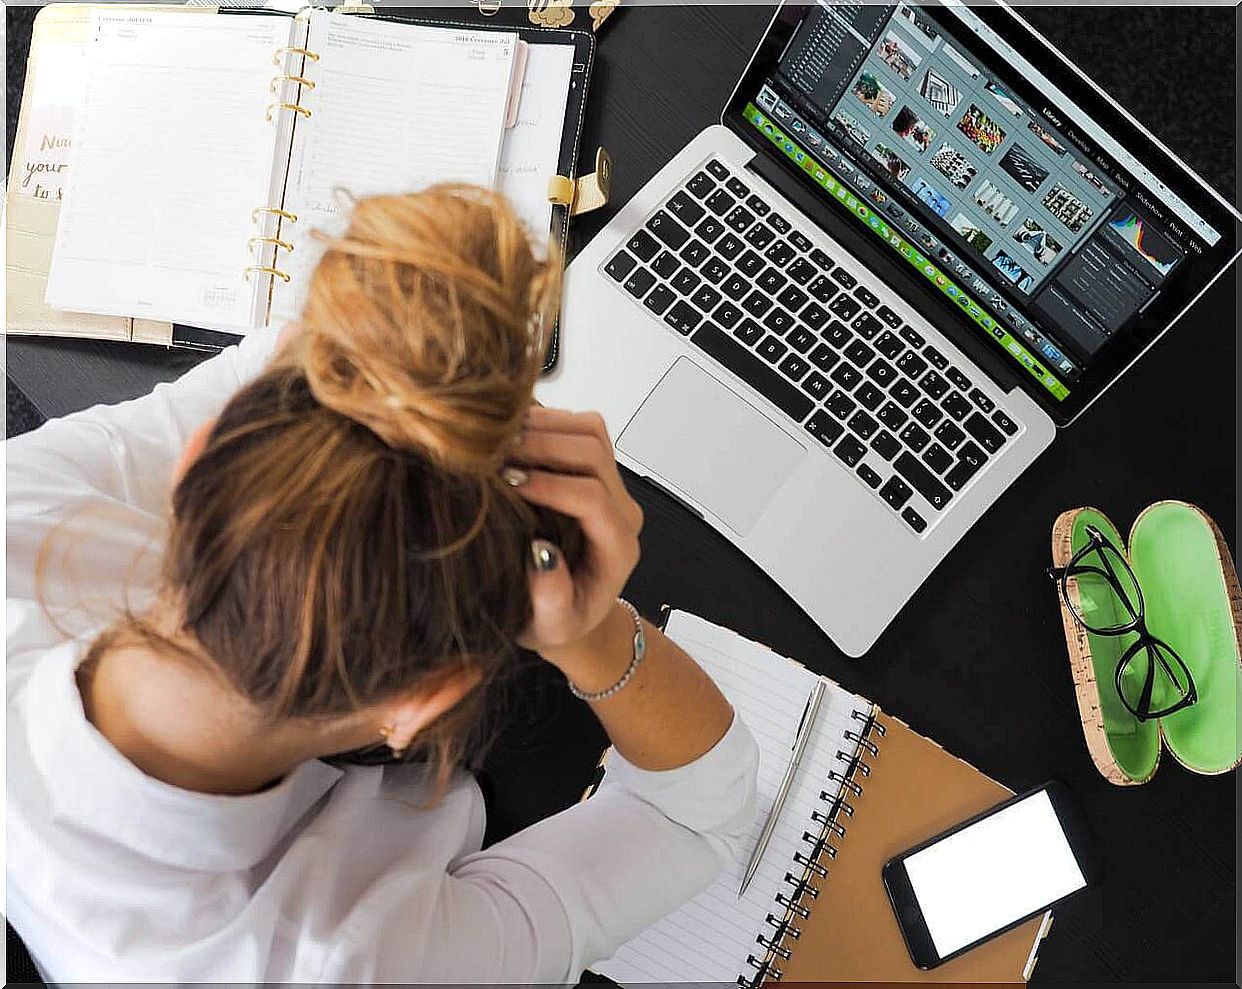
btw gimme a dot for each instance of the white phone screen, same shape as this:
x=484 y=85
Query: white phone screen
x=992 y=873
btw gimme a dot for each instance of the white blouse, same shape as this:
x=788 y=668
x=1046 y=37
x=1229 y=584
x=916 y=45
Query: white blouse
x=337 y=876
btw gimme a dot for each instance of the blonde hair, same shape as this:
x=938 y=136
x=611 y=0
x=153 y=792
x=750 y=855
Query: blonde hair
x=344 y=535
x=425 y=324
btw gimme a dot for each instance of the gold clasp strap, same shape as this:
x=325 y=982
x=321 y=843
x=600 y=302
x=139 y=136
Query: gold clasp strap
x=589 y=192
x=265 y=270
x=300 y=80
x=274 y=211
x=287 y=106
x=268 y=240
x=293 y=50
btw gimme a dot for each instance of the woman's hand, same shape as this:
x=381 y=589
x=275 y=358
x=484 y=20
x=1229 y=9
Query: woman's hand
x=568 y=463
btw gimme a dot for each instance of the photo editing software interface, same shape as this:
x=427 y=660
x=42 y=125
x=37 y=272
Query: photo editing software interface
x=1015 y=212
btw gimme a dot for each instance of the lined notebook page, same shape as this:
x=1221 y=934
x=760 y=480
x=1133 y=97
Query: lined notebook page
x=171 y=152
x=395 y=108
x=709 y=938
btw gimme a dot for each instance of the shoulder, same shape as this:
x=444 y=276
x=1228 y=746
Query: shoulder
x=264 y=888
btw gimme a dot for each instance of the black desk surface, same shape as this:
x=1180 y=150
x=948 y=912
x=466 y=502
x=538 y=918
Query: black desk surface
x=977 y=659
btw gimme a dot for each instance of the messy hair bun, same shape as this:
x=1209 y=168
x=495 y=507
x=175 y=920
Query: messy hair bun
x=425 y=323
x=345 y=535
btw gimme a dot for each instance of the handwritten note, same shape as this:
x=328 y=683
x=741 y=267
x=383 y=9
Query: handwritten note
x=59 y=82
x=532 y=146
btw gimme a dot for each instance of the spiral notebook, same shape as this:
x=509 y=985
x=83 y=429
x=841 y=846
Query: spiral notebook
x=867 y=788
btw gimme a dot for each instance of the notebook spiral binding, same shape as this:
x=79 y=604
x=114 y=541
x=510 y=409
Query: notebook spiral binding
x=288 y=75
x=797 y=902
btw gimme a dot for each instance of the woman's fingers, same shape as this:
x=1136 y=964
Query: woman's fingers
x=573 y=453
x=559 y=455
x=576 y=442
x=612 y=536
x=564 y=421
x=552 y=598
x=577 y=453
x=569 y=467
x=586 y=499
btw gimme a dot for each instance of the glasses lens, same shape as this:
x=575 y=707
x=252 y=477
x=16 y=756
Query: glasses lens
x=1153 y=681
x=1108 y=599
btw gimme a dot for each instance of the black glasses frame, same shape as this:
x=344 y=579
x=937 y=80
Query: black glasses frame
x=1155 y=648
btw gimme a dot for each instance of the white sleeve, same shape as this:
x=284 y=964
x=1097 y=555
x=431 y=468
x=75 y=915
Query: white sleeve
x=110 y=468
x=565 y=893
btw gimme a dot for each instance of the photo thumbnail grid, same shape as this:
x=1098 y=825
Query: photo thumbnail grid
x=1006 y=176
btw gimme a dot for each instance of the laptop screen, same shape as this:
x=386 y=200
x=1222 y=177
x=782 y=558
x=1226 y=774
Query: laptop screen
x=981 y=175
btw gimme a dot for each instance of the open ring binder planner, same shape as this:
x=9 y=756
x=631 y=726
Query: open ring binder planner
x=512 y=97
x=292 y=60
x=866 y=789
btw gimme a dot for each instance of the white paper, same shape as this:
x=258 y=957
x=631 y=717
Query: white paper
x=171 y=152
x=60 y=75
x=709 y=938
x=396 y=108
x=532 y=147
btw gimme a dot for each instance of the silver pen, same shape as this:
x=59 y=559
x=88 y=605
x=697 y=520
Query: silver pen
x=809 y=713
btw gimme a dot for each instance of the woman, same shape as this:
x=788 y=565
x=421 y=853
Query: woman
x=357 y=540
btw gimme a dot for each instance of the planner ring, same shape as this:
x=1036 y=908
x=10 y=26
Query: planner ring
x=293 y=50
x=275 y=241
x=284 y=77
x=273 y=211
x=287 y=106
x=266 y=270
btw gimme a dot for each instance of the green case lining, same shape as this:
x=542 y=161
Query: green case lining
x=1178 y=561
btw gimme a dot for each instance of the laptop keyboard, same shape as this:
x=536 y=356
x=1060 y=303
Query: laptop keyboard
x=721 y=267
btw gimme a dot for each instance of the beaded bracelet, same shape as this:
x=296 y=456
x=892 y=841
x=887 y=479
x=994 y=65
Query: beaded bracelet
x=640 y=650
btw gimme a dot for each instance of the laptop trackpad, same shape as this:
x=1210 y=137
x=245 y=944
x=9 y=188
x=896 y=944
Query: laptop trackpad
x=711 y=444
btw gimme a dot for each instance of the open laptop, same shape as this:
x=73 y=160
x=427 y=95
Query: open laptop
x=840 y=323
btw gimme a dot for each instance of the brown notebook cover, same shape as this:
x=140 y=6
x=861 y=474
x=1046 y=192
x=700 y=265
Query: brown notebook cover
x=910 y=790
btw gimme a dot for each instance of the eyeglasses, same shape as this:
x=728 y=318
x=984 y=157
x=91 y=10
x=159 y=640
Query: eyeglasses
x=1105 y=583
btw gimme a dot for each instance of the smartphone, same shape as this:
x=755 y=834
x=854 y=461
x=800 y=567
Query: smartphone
x=991 y=873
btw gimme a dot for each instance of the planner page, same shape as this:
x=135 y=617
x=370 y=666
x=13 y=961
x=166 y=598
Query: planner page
x=171 y=152
x=395 y=108
x=709 y=938
x=532 y=146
